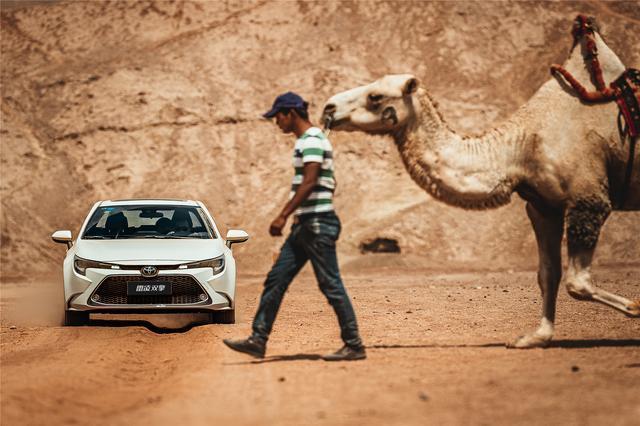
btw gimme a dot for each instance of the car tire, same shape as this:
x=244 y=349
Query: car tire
x=76 y=318
x=223 y=317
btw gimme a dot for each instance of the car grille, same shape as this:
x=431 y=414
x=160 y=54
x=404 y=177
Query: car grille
x=113 y=291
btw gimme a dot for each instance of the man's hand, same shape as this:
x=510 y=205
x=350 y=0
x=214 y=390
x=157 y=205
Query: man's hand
x=310 y=176
x=276 y=226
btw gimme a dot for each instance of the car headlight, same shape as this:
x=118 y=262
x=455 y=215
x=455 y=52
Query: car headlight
x=216 y=264
x=81 y=265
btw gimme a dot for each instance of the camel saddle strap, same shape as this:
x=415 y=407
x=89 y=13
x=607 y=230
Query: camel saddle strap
x=628 y=100
x=625 y=90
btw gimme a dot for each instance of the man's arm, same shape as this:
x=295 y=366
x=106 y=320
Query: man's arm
x=310 y=175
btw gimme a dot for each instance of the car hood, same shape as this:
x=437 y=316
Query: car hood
x=149 y=250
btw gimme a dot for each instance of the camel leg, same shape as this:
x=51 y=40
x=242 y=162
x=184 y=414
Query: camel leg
x=584 y=221
x=548 y=227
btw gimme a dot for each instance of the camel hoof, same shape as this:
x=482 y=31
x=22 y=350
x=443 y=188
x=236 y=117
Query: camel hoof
x=633 y=310
x=530 y=341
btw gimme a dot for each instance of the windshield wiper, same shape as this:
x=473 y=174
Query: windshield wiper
x=96 y=237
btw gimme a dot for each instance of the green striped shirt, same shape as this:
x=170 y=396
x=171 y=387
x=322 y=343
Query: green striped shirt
x=314 y=147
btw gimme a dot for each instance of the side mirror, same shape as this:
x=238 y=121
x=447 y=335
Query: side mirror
x=236 y=236
x=63 y=237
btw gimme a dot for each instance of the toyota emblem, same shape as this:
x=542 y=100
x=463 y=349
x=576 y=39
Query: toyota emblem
x=149 y=271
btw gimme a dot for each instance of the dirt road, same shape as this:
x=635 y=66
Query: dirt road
x=435 y=356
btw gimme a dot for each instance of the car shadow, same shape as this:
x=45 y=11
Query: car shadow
x=146 y=324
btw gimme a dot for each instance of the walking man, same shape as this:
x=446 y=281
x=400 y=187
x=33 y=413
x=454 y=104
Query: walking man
x=313 y=234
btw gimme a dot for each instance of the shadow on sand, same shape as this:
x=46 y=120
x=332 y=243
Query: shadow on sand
x=146 y=324
x=594 y=343
x=563 y=344
x=566 y=344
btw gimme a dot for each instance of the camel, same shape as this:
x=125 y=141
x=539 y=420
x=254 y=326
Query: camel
x=565 y=158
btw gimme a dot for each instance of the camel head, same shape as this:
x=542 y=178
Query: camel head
x=582 y=26
x=382 y=107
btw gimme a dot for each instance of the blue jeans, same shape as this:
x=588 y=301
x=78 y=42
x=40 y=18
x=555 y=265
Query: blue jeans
x=313 y=238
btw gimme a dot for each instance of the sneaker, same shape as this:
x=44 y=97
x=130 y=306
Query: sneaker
x=347 y=353
x=249 y=346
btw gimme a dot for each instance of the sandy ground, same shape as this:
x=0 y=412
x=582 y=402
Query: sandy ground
x=435 y=347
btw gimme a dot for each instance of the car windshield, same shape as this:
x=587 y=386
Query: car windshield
x=148 y=221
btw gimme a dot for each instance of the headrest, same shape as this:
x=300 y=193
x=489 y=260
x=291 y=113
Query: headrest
x=181 y=220
x=117 y=221
x=163 y=225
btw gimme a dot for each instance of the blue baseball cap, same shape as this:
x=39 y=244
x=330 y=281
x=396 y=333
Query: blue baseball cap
x=287 y=100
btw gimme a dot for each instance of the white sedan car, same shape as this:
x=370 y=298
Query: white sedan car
x=149 y=256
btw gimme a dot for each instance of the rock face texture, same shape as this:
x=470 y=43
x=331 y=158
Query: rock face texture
x=109 y=100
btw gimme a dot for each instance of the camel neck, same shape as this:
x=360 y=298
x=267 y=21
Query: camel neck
x=469 y=172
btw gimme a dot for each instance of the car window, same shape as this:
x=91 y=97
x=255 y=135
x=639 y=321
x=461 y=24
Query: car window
x=148 y=221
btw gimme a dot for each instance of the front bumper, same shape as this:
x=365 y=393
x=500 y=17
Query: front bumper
x=198 y=290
